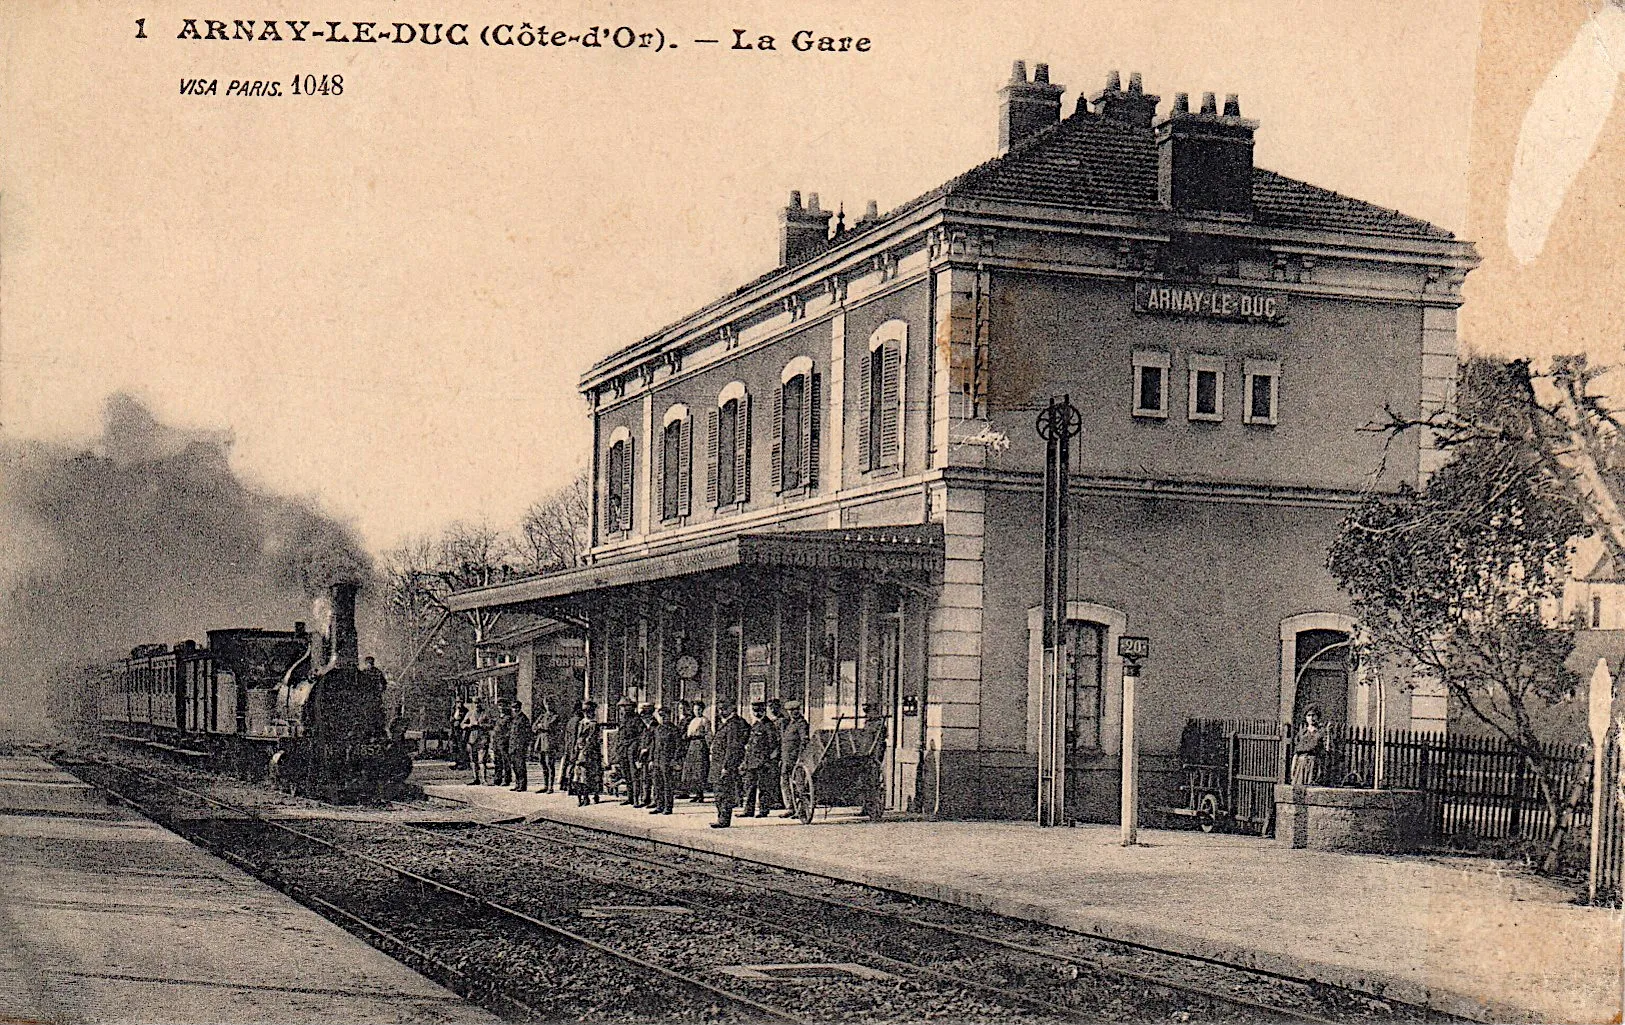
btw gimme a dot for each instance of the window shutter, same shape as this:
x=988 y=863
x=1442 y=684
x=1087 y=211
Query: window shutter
x=809 y=430
x=742 y=453
x=657 y=504
x=778 y=440
x=891 y=380
x=626 y=487
x=711 y=461
x=685 y=460
x=866 y=386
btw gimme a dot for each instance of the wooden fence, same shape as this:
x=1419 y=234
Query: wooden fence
x=1479 y=789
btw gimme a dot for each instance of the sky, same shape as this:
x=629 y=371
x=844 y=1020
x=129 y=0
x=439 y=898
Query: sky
x=388 y=297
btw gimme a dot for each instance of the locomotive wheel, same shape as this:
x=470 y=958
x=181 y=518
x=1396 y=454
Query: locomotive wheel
x=1207 y=813
x=801 y=794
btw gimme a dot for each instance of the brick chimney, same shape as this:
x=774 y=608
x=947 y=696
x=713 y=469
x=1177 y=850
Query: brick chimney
x=1135 y=107
x=1205 y=160
x=1027 y=108
x=803 y=232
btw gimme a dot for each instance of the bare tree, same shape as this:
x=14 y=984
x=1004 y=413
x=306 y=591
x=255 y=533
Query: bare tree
x=471 y=555
x=553 y=534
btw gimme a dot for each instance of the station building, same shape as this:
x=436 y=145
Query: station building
x=827 y=484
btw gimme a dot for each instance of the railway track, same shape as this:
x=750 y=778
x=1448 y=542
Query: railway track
x=763 y=943
x=1061 y=981
x=514 y=963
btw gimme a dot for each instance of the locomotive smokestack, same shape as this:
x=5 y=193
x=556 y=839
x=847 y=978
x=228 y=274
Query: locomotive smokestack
x=341 y=631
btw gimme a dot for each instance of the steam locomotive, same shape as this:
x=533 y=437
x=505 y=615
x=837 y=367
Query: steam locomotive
x=291 y=706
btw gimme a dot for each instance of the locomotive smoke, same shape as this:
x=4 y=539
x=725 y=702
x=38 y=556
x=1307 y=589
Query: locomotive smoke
x=147 y=535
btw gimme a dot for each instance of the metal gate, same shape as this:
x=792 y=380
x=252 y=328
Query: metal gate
x=1258 y=762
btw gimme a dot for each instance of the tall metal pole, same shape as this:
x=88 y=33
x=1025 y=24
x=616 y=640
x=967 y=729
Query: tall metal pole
x=1057 y=424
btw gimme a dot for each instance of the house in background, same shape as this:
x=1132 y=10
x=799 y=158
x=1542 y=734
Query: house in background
x=827 y=484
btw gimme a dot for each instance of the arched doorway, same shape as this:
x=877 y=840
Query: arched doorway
x=1316 y=666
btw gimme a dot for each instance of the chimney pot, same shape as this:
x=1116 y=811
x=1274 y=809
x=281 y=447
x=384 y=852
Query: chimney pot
x=1027 y=108
x=1041 y=74
x=795 y=199
x=803 y=233
x=1135 y=108
x=1205 y=163
x=812 y=204
x=871 y=212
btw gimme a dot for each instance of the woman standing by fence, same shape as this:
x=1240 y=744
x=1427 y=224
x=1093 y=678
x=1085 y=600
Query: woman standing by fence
x=1308 y=750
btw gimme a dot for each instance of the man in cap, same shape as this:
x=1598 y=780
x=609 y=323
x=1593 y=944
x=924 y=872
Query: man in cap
x=665 y=740
x=761 y=753
x=627 y=734
x=519 y=738
x=794 y=731
x=643 y=764
x=499 y=744
x=728 y=751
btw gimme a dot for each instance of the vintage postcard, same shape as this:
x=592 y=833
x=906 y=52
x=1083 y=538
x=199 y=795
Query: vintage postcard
x=811 y=511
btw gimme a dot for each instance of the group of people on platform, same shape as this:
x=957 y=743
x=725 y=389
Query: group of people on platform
x=660 y=755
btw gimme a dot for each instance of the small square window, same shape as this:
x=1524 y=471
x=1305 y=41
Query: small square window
x=1206 y=397
x=1262 y=391
x=1150 y=383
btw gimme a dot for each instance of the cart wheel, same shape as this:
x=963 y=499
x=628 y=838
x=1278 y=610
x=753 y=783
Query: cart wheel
x=1207 y=812
x=801 y=795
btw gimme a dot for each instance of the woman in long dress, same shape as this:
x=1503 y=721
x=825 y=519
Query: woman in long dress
x=697 y=758
x=589 y=762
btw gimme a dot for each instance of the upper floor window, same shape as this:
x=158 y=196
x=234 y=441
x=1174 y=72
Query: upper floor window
x=795 y=427
x=727 y=449
x=880 y=398
x=1261 y=391
x=618 y=482
x=1206 y=395
x=673 y=471
x=1150 y=383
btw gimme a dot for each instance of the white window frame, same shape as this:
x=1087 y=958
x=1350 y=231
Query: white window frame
x=1161 y=360
x=1202 y=363
x=1253 y=368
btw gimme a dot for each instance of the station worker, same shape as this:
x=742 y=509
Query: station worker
x=697 y=759
x=794 y=731
x=664 y=741
x=761 y=756
x=519 y=739
x=499 y=745
x=728 y=752
x=589 y=756
x=458 y=736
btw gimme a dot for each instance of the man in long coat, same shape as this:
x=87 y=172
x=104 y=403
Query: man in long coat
x=761 y=755
x=793 y=735
x=728 y=751
x=519 y=739
x=664 y=741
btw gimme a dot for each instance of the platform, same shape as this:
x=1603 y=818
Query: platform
x=106 y=917
x=1466 y=936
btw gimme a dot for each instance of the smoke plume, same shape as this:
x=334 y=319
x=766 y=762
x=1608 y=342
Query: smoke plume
x=146 y=536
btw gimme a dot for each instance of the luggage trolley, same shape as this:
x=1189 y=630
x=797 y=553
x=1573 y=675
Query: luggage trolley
x=840 y=767
x=1230 y=768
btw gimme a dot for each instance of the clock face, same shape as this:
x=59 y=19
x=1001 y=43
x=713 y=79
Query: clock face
x=688 y=667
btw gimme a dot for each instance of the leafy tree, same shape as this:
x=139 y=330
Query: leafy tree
x=1459 y=578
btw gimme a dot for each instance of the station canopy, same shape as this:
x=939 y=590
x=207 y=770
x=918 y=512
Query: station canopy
x=911 y=553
